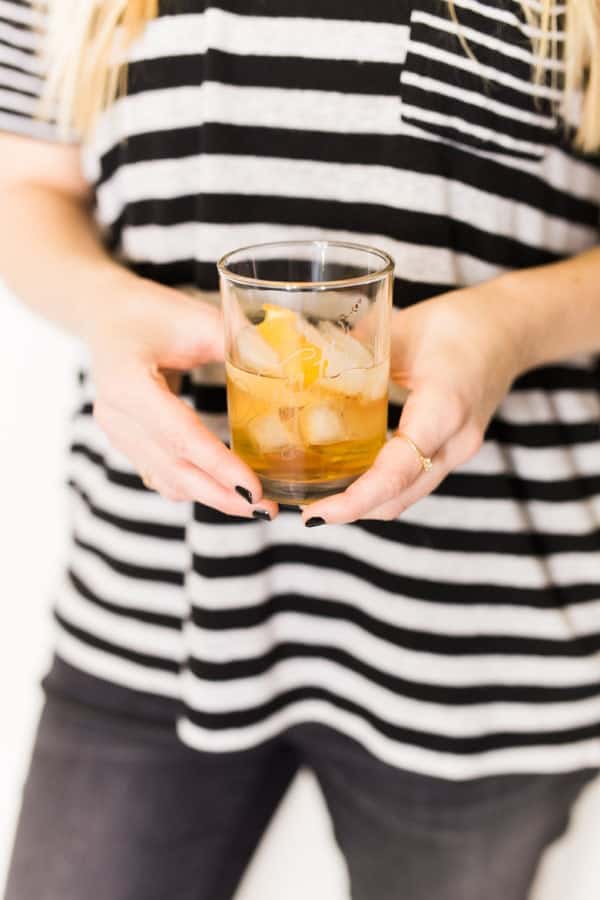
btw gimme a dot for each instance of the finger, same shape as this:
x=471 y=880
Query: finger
x=459 y=448
x=430 y=419
x=176 y=480
x=394 y=469
x=420 y=488
x=179 y=431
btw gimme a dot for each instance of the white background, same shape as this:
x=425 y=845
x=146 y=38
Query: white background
x=298 y=858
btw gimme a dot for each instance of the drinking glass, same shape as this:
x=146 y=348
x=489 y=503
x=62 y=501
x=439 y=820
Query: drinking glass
x=307 y=343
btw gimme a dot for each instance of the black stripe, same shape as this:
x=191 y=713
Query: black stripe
x=13 y=88
x=11 y=46
x=394 y=151
x=204 y=275
x=133 y=526
x=407 y=638
x=560 y=378
x=389 y=11
x=438 y=742
x=400 y=224
x=131 y=570
x=21 y=26
x=428 y=693
x=123 y=479
x=342 y=76
x=138 y=615
x=544 y=434
x=142 y=659
x=503 y=487
x=24 y=117
x=521 y=543
x=550 y=597
x=467 y=140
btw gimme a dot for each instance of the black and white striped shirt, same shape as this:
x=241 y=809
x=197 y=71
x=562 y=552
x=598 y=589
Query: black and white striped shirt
x=462 y=639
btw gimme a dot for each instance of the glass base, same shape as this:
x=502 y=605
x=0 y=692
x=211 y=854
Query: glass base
x=301 y=492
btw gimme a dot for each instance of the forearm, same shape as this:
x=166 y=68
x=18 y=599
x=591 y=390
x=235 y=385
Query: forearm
x=553 y=311
x=52 y=257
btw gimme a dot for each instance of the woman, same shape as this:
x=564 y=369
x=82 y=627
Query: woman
x=434 y=662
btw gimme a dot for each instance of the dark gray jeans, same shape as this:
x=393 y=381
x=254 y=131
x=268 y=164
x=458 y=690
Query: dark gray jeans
x=116 y=809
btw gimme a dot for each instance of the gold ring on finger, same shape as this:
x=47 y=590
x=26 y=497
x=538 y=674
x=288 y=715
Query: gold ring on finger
x=426 y=461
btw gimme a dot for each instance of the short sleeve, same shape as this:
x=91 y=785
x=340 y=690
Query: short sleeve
x=22 y=70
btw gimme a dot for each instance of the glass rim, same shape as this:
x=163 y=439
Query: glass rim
x=354 y=281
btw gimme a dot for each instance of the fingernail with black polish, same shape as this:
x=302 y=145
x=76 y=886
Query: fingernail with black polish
x=314 y=521
x=244 y=492
x=261 y=514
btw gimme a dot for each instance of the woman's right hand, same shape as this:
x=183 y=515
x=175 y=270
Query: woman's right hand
x=140 y=336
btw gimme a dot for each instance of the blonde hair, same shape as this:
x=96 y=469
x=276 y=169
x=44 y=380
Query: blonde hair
x=87 y=71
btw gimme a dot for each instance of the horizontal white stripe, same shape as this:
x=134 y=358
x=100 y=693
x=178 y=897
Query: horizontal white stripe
x=272 y=36
x=464 y=62
x=471 y=620
x=446 y=566
x=27 y=127
x=472 y=35
x=537 y=463
x=473 y=514
x=413 y=665
x=111 y=668
x=207 y=241
x=10 y=56
x=18 y=37
x=134 y=549
x=433 y=85
x=143 y=506
x=346 y=183
x=9 y=78
x=540 y=407
x=18 y=102
x=190 y=105
x=536 y=759
x=123 y=590
x=27 y=15
x=503 y=15
x=484 y=134
x=451 y=721
x=132 y=634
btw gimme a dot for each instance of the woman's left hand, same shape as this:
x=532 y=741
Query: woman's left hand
x=457 y=354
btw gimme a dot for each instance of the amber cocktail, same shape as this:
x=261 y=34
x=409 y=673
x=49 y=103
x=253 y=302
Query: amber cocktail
x=307 y=359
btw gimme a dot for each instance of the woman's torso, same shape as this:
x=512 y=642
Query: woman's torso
x=463 y=638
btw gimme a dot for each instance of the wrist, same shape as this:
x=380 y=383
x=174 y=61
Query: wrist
x=117 y=296
x=521 y=318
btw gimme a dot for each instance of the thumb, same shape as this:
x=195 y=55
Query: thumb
x=197 y=335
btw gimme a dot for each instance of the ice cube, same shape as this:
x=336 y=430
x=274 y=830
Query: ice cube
x=321 y=425
x=368 y=383
x=343 y=351
x=330 y=358
x=254 y=353
x=276 y=391
x=269 y=433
